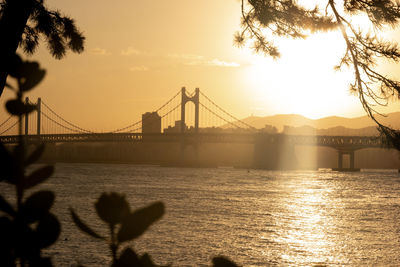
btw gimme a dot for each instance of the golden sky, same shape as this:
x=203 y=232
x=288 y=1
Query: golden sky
x=138 y=54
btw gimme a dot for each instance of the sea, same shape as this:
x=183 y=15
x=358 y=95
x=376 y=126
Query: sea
x=253 y=217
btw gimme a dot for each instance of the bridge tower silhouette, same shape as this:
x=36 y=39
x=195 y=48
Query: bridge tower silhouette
x=195 y=99
x=38 y=112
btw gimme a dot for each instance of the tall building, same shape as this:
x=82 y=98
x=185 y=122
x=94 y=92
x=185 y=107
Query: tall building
x=151 y=122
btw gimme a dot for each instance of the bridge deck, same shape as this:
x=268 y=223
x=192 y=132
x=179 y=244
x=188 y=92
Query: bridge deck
x=338 y=142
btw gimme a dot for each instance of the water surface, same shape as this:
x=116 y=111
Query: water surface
x=256 y=217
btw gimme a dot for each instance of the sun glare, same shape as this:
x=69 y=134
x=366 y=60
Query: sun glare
x=303 y=80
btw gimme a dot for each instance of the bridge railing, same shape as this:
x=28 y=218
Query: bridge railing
x=354 y=142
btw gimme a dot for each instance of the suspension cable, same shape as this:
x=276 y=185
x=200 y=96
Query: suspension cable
x=59 y=124
x=69 y=123
x=169 y=101
x=78 y=129
x=233 y=117
x=9 y=128
x=135 y=123
x=4 y=122
x=169 y=112
x=220 y=117
x=127 y=127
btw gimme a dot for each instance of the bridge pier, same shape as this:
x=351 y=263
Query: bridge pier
x=352 y=160
x=340 y=167
x=274 y=152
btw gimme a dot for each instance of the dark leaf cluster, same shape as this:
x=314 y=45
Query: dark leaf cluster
x=60 y=31
x=29 y=226
x=24 y=22
x=262 y=19
x=379 y=11
x=27 y=230
x=28 y=74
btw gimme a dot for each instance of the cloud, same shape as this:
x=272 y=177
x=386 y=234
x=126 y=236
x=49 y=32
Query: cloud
x=221 y=63
x=257 y=108
x=186 y=56
x=131 y=51
x=215 y=62
x=99 y=51
x=139 y=68
x=197 y=60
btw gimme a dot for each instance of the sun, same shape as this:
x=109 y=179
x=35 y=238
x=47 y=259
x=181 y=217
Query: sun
x=303 y=81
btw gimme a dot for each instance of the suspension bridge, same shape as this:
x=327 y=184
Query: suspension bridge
x=210 y=124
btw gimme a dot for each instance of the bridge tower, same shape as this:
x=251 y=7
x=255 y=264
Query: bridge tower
x=38 y=113
x=195 y=99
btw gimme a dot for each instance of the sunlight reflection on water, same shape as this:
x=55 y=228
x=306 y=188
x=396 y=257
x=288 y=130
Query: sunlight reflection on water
x=261 y=218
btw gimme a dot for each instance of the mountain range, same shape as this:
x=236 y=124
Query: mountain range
x=294 y=120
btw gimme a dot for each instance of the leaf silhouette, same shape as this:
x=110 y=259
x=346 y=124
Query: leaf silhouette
x=17 y=107
x=47 y=230
x=25 y=240
x=6 y=164
x=14 y=66
x=35 y=155
x=7 y=238
x=146 y=261
x=82 y=226
x=128 y=258
x=41 y=262
x=112 y=207
x=38 y=176
x=33 y=76
x=6 y=207
x=37 y=205
x=137 y=222
x=223 y=262
x=28 y=73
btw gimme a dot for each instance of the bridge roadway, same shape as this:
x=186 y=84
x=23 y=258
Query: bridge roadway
x=345 y=143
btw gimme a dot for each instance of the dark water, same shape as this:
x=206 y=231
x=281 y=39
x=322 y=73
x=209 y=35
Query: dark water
x=257 y=218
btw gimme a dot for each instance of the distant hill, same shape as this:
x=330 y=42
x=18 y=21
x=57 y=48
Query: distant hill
x=294 y=120
x=335 y=131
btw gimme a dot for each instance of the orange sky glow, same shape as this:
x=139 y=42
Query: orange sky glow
x=138 y=54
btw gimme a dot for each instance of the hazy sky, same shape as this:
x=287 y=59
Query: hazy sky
x=139 y=53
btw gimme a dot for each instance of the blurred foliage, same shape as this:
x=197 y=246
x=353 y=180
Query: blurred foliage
x=124 y=225
x=114 y=210
x=28 y=226
x=24 y=22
